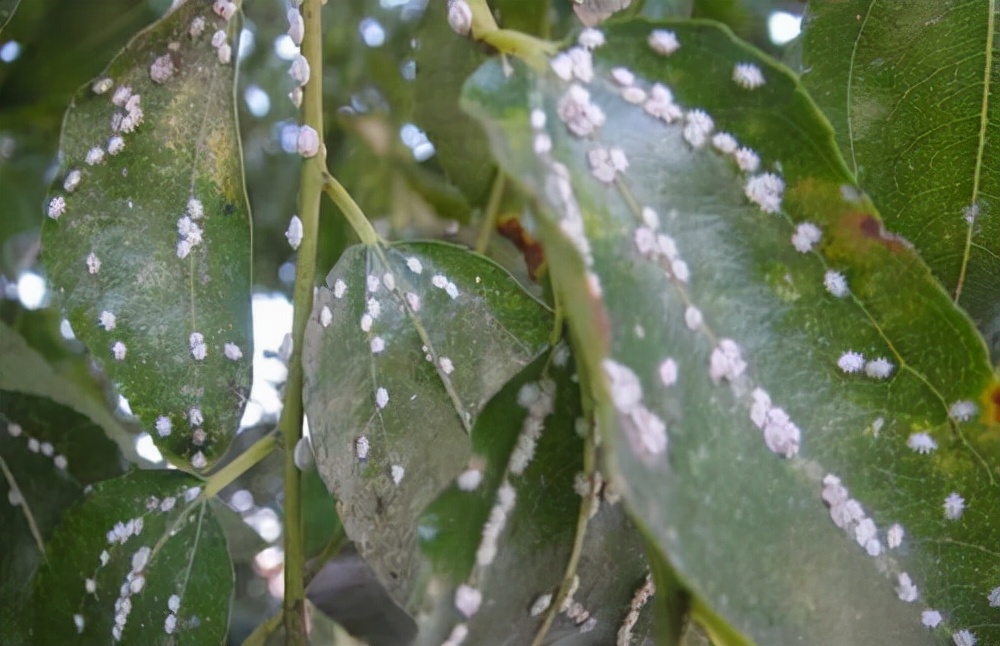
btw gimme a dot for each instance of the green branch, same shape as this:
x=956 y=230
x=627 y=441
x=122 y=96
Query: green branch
x=240 y=465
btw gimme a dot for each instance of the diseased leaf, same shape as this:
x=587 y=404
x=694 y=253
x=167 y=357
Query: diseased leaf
x=913 y=91
x=500 y=538
x=148 y=234
x=48 y=453
x=716 y=295
x=140 y=561
x=402 y=352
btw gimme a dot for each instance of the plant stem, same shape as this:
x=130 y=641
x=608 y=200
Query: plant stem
x=533 y=51
x=240 y=465
x=310 y=191
x=355 y=216
x=491 y=213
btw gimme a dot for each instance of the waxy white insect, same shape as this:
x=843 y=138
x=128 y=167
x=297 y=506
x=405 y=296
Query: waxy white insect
x=921 y=442
x=605 y=163
x=198 y=460
x=396 y=472
x=505 y=499
x=118 y=350
x=163 y=426
x=851 y=362
x=225 y=53
x=766 y=191
x=906 y=590
x=726 y=361
x=296 y=27
x=170 y=624
x=308 y=141
x=748 y=76
x=377 y=345
x=72 y=181
x=60 y=462
x=295 y=96
x=724 y=142
x=663 y=42
x=962 y=411
x=102 y=85
x=994 y=597
x=954 y=506
x=299 y=70
x=115 y=145
x=225 y=9
x=339 y=288
x=197 y=27
x=414 y=265
x=680 y=270
x=199 y=350
x=195 y=417
x=622 y=76
x=195 y=209
x=692 y=317
x=325 y=316
x=162 y=69
x=806 y=236
x=468 y=600
x=57 y=206
x=78 y=622
x=381 y=397
x=232 y=351
x=447 y=367
x=94 y=156
x=591 y=38
x=122 y=94
x=294 y=232
x=697 y=127
x=668 y=372
x=894 y=536
x=964 y=638
x=836 y=283
x=469 y=479
x=460 y=17
x=661 y=104
x=880 y=368
x=746 y=159
x=930 y=618
x=575 y=109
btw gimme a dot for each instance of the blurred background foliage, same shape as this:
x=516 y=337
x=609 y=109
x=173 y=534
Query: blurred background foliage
x=396 y=139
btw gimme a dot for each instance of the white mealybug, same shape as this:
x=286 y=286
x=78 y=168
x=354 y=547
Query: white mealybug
x=650 y=218
x=460 y=17
x=195 y=209
x=14 y=430
x=439 y=280
x=381 y=397
x=645 y=240
x=34 y=445
x=397 y=472
x=930 y=618
x=94 y=156
x=469 y=479
x=746 y=159
x=451 y=290
x=413 y=264
x=198 y=460
x=389 y=281
x=361 y=447
x=880 y=368
x=308 y=141
x=562 y=66
x=724 y=142
x=121 y=95
x=806 y=235
x=921 y=442
x=906 y=590
x=195 y=416
x=377 y=345
x=232 y=351
x=591 y=38
x=296 y=27
x=339 y=288
x=667 y=247
x=78 y=622
x=964 y=638
x=994 y=597
x=663 y=42
x=447 y=367
x=295 y=96
x=668 y=372
x=541 y=604
x=748 y=76
x=163 y=426
x=93 y=263
x=537 y=119
x=697 y=127
x=581 y=63
x=225 y=9
x=325 y=316
x=198 y=348
x=726 y=361
x=118 y=350
x=661 y=104
x=680 y=270
x=197 y=26
x=962 y=411
x=225 y=53
x=198 y=437
x=372 y=283
x=468 y=600
x=622 y=76
x=894 y=537
x=835 y=283
x=174 y=603
x=218 y=39
x=48 y=449
x=102 y=85
x=851 y=362
x=72 y=181
x=60 y=462
x=692 y=317
x=299 y=70
x=624 y=385
x=115 y=145
x=954 y=506
x=162 y=69
x=294 y=232
x=766 y=191
x=600 y=164
x=366 y=322
x=576 y=110
x=413 y=300
x=57 y=206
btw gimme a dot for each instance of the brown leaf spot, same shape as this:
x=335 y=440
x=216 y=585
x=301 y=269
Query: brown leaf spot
x=531 y=249
x=871 y=229
x=991 y=403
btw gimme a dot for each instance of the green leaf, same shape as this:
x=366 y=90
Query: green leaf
x=161 y=325
x=155 y=558
x=913 y=91
x=60 y=376
x=676 y=334
x=7 y=9
x=401 y=354
x=47 y=454
x=526 y=445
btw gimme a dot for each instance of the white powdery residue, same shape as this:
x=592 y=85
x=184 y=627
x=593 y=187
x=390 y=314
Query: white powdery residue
x=162 y=69
x=591 y=38
x=748 y=76
x=766 y=191
x=94 y=156
x=487 y=551
x=622 y=76
x=836 y=283
x=198 y=460
x=954 y=506
x=294 y=232
x=72 y=180
x=232 y=352
x=668 y=372
x=538 y=399
x=377 y=345
x=851 y=362
x=726 y=361
x=163 y=426
x=469 y=479
x=381 y=397
x=747 y=160
x=906 y=590
x=697 y=127
x=806 y=236
x=361 y=447
x=880 y=368
x=296 y=26
x=580 y=115
x=308 y=141
x=468 y=599
x=661 y=104
x=199 y=350
x=325 y=316
x=119 y=350
x=964 y=637
x=447 y=367
x=692 y=317
x=724 y=142
x=894 y=536
x=93 y=263
x=930 y=618
x=962 y=411
x=397 y=472
x=57 y=206
x=663 y=42
x=339 y=288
